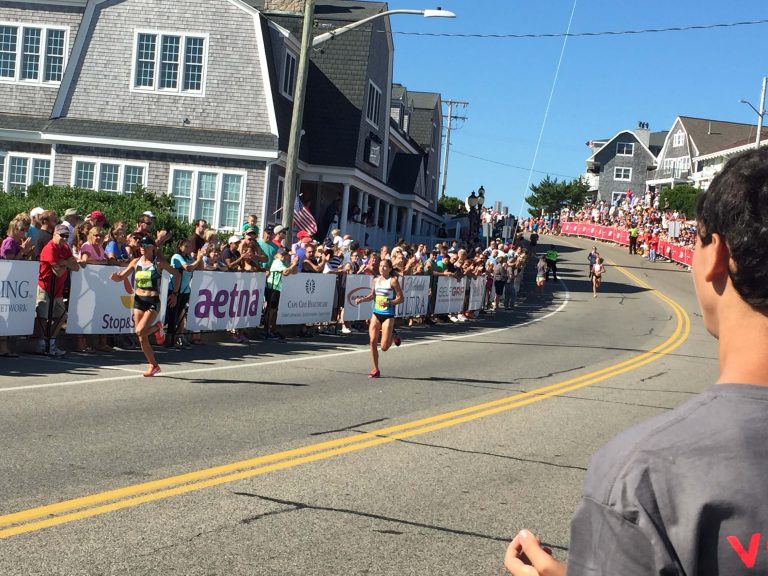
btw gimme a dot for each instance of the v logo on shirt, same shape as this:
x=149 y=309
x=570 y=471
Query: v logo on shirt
x=749 y=556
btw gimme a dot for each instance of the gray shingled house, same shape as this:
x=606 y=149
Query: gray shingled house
x=194 y=98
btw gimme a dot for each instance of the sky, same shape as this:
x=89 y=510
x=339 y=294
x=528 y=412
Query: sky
x=605 y=84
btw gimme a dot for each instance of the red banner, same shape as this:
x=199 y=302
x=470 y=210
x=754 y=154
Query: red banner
x=680 y=254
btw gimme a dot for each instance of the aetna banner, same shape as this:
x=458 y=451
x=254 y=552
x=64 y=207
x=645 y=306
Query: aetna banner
x=225 y=300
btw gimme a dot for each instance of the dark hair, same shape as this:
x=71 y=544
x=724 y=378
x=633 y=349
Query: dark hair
x=736 y=207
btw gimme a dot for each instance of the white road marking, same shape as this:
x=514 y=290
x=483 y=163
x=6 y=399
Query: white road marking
x=304 y=358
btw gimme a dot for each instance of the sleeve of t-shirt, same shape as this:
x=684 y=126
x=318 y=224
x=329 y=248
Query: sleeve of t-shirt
x=112 y=249
x=177 y=261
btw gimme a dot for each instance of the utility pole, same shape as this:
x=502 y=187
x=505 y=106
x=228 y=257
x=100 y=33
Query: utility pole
x=292 y=156
x=451 y=118
x=761 y=114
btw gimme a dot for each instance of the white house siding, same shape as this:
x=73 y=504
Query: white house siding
x=234 y=94
x=36 y=99
x=158 y=176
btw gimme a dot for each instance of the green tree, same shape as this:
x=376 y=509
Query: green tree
x=550 y=196
x=449 y=205
x=681 y=198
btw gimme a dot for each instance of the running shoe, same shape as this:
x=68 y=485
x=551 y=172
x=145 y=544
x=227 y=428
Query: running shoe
x=159 y=335
x=55 y=350
x=153 y=369
x=461 y=317
x=346 y=330
x=396 y=339
x=374 y=374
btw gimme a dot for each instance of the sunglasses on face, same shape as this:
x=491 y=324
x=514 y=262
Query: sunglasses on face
x=64 y=236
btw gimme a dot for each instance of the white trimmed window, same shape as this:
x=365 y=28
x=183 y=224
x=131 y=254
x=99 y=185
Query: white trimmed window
x=107 y=175
x=18 y=171
x=678 y=139
x=373 y=109
x=289 y=75
x=32 y=54
x=210 y=195
x=625 y=148
x=617 y=197
x=622 y=173
x=169 y=63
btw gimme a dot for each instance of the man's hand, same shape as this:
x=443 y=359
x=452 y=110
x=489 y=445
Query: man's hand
x=526 y=557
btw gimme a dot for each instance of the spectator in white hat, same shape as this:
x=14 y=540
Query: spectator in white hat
x=34 y=229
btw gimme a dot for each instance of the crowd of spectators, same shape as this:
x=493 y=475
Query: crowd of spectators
x=64 y=245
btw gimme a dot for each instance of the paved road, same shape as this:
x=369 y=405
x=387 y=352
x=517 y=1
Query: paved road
x=275 y=458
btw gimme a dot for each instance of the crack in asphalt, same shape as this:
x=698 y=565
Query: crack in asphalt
x=491 y=454
x=654 y=376
x=293 y=506
x=554 y=373
x=614 y=402
x=352 y=428
x=645 y=390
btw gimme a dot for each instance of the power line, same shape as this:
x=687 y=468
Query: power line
x=589 y=34
x=510 y=165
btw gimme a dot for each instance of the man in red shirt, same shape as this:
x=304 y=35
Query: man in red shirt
x=653 y=246
x=56 y=261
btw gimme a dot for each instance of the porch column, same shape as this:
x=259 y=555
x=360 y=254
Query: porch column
x=344 y=208
x=386 y=218
x=408 y=228
x=376 y=204
x=419 y=231
x=360 y=202
x=393 y=220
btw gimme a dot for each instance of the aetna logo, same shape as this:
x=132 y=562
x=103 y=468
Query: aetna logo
x=234 y=304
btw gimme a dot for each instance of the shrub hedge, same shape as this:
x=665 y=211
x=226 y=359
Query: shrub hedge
x=127 y=207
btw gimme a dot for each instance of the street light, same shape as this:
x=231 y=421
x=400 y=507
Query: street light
x=480 y=196
x=439 y=13
x=472 y=200
x=294 y=138
x=760 y=113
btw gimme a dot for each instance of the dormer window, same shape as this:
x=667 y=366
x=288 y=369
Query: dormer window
x=625 y=148
x=169 y=63
x=289 y=75
x=373 y=110
x=678 y=139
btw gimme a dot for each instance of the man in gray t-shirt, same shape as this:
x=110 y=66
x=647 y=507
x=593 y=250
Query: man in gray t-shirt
x=685 y=493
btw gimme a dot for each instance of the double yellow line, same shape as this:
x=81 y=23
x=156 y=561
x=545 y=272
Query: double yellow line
x=78 y=508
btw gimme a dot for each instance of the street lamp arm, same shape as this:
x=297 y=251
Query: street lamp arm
x=426 y=13
x=748 y=103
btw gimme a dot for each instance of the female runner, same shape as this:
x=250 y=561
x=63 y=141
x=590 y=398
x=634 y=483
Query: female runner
x=386 y=295
x=146 y=300
x=597 y=272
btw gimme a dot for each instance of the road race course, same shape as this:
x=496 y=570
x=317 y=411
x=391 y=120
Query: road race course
x=283 y=458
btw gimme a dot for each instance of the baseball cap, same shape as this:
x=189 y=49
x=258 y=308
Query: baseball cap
x=233 y=239
x=279 y=228
x=148 y=213
x=36 y=212
x=147 y=241
x=270 y=228
x=61 y=229
x=302 y=234
x=71 y=212
x=97 y=215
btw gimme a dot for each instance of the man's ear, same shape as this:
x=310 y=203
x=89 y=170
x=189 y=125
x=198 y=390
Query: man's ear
x=718 y=260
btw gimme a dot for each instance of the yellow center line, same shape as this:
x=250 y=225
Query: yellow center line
x=112 y=500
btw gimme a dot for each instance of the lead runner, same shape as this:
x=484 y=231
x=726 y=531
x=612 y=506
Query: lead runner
x=386 y=294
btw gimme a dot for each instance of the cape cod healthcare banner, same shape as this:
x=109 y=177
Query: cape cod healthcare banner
x=476 y=293
x=99 y=305
x=225 y=300
x=450 y=295
x=18 y=295
x=306 y=299
x=416 y=293
x=358 y=285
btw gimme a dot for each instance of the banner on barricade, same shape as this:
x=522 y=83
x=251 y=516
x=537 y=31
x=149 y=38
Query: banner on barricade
x=18 y=295
x=358 y=285
x=416 y=296
x=306 y=299
x=476 y=293
x=225 y=300
x=99 y=305
x=450 y=295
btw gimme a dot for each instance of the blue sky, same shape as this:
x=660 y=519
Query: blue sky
x=606 y=84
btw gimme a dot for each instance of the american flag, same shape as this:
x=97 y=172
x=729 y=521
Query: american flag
x=303 y=218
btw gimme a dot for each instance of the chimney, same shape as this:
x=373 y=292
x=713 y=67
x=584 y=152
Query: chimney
x=284 y=6
x=643 y=133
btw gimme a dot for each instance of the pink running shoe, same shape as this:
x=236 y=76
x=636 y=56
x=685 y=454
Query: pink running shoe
x=153 y=369
x=374 y=374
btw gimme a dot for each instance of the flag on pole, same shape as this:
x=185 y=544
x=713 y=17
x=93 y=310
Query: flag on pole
x=303 y=218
